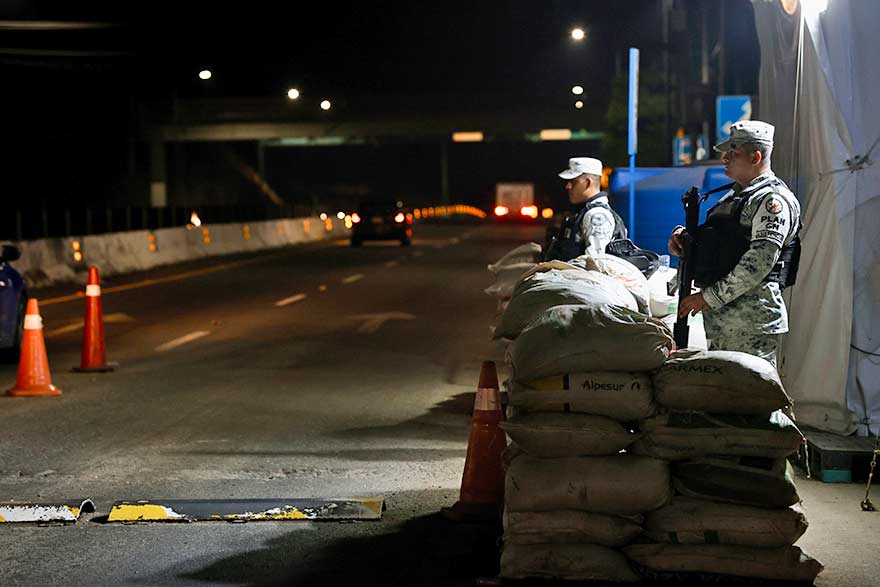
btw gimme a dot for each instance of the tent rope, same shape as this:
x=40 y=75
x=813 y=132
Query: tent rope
x=857 y=163
x=863 y=351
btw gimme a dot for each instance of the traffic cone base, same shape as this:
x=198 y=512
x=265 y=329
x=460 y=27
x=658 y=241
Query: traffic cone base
x=105 y=369
x=48 y=390
x=34 y=378
x=482 y=483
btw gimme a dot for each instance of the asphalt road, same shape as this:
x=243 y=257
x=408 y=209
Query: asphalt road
x=315 y=371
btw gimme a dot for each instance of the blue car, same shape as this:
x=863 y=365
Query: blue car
x=13 y=304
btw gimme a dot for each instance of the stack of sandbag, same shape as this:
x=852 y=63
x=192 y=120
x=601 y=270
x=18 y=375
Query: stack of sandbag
x=726 y=438
x=573 y=497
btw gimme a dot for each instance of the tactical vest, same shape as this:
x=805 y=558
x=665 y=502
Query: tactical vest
x=567 y=243
x=722 y=240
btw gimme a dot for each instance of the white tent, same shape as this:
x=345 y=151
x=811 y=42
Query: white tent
x=820 y=86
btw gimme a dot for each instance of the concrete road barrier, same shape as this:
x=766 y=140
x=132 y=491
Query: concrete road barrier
x=48 y=261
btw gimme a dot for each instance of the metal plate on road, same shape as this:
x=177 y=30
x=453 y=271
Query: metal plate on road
x=62 y=513
x=245 y=510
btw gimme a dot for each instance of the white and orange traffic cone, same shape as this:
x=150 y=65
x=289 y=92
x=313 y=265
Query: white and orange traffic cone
x=94 y=356
x=34 y=378
x=482 y=483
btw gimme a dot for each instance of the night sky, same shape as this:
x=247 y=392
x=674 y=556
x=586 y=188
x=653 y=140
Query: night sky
x=71 y=98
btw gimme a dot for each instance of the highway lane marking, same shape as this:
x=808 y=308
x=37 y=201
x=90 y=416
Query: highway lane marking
x=159 y=280
x=353 y=278
x=181 y=340
x=373 y=322
x=108 y=318
x=391 y=264
x=291 y=300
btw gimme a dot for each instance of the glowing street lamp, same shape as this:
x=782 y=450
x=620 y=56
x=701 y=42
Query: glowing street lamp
x=577 y=90
x=205 y=74
x=293 y=93
x=579 y=104
x=578 y=34
x=325 y=105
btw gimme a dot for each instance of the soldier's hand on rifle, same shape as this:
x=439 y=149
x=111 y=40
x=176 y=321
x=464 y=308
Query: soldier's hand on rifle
x=675 y=245
x=693 y=305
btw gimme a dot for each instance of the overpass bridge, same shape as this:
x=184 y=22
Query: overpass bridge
x=280 y=122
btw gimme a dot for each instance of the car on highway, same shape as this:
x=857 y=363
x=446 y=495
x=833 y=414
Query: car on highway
x=381 y=220
x=13 y=304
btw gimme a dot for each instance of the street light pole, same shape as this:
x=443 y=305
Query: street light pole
x=632 y=149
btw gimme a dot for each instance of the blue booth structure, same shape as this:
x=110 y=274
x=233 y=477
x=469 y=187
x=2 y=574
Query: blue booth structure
x=658 y=199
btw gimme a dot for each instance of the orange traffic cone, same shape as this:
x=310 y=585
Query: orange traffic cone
x=33 y=366
x=482 y=484
x=94 y=357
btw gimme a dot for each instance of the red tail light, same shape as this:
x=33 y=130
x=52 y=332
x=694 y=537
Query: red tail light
x=501 y=210
x=529 y=211
x=399 y=218
x=355 y=218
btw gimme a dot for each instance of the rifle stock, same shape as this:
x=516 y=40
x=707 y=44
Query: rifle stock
x=691 y=200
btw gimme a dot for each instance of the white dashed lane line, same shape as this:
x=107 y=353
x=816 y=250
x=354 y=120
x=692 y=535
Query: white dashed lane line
x=182 y=340
x=391 y=264
x=353 y=278
x=291 y=300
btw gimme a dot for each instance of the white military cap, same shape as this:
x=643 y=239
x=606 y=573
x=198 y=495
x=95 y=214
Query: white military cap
x=581 y=165
x=747 y=131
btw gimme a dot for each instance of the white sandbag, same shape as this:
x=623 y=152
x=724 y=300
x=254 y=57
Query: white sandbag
x=569 y=527
x=506 y=279
x=682 y=435
x=662 y=304
x=694 y=521
x=572 y=339
x=527 y=253
x=620 y=395
x=621 y=485
x=575 y=562
x=766 y=483
x=578 y=277
x=723 y=382
x=623 y=270
x=696 y=329
x=789 y=563
x=542 y=291
x=552 y=435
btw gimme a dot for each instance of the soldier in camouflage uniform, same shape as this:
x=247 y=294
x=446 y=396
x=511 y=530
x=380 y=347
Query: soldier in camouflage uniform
x=592 y=224
x=744 y=310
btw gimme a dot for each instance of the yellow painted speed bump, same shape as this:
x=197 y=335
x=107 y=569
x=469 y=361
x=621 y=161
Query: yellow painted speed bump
x=59 y=513
x=245 y=510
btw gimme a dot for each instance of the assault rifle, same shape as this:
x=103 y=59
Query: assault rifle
x=687 y=261
x=691 y=200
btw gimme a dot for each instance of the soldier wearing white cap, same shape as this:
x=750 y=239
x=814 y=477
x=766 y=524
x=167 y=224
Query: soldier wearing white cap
x=592 y=224
x=748 y=249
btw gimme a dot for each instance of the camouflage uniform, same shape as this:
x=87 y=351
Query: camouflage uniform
x=746 y=313
x=597 y=227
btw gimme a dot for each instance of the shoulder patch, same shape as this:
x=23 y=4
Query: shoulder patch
x=773 y=205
